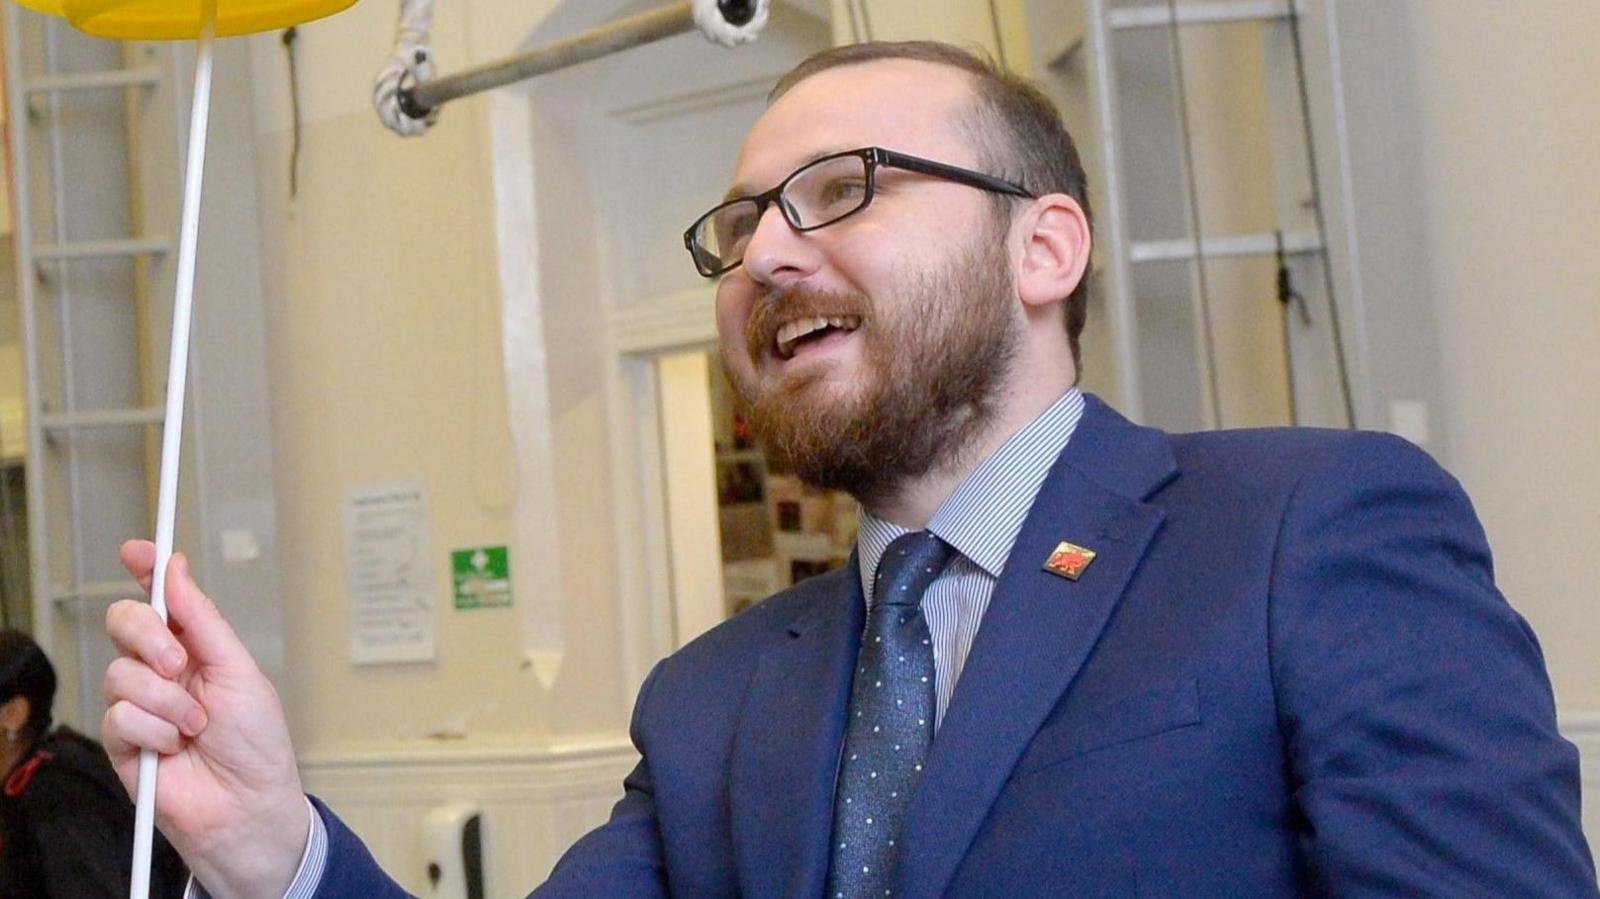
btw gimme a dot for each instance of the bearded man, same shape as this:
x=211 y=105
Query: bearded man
x=1070 y=657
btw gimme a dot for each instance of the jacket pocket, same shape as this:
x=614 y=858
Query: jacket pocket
x=1147 y=714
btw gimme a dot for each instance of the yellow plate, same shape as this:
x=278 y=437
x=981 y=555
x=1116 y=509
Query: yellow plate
x=161 y=20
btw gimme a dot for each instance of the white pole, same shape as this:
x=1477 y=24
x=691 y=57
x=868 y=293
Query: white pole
x=172 y=426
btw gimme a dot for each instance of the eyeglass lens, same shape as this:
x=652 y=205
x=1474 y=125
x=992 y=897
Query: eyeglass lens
x=819 y=194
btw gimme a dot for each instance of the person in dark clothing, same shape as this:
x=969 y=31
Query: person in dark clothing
x=66 y=825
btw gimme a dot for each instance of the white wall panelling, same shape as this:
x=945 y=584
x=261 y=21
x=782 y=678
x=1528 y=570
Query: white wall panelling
x=1583 y=728
x=535 y=803
x=623 y=158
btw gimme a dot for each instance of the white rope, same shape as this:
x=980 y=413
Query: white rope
x=718 y=30
x=172 y=424
x=409 y=62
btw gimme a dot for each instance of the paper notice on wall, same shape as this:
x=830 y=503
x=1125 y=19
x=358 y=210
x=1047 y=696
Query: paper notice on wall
x=389 y=572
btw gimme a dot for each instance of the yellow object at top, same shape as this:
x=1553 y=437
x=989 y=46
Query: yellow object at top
x=165 y=20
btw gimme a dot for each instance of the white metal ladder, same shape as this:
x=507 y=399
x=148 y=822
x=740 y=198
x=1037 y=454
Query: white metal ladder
x=94 y=290
x=1300 y=237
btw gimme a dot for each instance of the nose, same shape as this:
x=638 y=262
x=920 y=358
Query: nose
x=776 y=254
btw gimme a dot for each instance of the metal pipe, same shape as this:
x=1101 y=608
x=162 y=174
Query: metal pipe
x=612 y=37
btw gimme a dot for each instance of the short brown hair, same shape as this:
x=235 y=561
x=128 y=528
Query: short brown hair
x=1018 y=133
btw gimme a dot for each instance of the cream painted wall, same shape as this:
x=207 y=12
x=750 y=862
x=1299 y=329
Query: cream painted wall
x=384 y=337
x=1511 y=143
x=384 y=333
x=968 y=22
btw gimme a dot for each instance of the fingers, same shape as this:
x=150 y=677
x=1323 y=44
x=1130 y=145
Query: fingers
x=126 y=729
x=133 y=681
x=195 y=617
x=138 y=632
x=139 y=557
x=194 y=626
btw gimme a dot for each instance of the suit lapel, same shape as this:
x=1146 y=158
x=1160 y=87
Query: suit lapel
x=1036 y=635
x=786 y=752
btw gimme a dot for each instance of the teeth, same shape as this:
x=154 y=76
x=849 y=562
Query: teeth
x=793 y=331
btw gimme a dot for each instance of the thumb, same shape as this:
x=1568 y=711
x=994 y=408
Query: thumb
x=197 y=623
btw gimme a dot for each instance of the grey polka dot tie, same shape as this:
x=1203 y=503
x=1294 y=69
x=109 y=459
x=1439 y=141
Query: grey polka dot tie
x=891 y=721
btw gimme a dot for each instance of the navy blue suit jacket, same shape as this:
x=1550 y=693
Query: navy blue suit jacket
x=1287 y=672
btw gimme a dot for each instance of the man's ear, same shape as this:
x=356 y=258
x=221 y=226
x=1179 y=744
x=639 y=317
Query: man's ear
x=1055 y=245
x=14 y=715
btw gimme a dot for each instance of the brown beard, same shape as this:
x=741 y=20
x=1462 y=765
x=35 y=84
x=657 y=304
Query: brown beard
x=932 y=369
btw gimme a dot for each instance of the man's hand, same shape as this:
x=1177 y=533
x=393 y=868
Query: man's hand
x=228 y=794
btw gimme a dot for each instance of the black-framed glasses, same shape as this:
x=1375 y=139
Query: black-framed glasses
x=814 y=196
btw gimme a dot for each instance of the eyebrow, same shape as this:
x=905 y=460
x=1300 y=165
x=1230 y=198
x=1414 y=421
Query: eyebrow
x=739 y=191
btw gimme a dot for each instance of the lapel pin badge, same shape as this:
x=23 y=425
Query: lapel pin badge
x=1069 y=560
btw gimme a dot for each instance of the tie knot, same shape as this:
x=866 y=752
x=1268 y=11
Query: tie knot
x=908 y=566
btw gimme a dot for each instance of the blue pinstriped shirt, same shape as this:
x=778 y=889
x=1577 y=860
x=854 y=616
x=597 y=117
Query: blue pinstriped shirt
x=981 y=520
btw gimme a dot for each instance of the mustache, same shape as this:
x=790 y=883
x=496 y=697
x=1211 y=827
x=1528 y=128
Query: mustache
x=775 y=309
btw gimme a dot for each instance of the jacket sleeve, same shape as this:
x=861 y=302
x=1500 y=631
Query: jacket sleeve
x=623 y=856
x=1418 y=716
x=620 y=858
x=350 y=871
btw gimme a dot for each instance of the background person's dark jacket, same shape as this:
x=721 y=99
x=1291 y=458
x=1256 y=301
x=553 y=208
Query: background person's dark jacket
x=66 y=827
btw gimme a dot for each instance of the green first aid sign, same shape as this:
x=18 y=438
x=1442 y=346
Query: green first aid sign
x=482 y=577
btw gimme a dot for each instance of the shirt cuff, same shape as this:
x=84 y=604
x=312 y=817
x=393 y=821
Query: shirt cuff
x=313 y=862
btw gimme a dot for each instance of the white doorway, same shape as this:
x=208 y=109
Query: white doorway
x=624 y=153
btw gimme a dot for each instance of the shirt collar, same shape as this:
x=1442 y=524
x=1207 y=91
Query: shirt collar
x=982 y=518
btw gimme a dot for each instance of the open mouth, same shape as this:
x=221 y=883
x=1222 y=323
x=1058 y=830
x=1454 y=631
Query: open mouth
x=800 y=333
